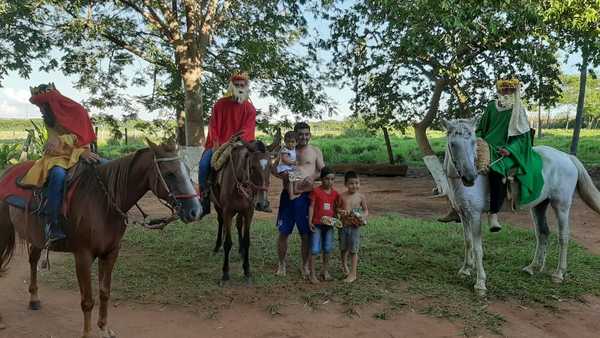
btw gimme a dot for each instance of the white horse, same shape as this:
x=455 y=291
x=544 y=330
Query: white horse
x=469 y=195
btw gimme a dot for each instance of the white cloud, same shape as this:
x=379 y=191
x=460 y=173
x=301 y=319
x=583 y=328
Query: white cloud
x=14 y=103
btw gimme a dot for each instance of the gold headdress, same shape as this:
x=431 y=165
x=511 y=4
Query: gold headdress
x=507 y=84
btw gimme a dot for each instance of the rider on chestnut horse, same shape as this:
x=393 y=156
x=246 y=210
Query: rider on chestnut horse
x=70 y=134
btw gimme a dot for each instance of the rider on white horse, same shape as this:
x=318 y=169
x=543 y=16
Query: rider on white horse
x=505 y=128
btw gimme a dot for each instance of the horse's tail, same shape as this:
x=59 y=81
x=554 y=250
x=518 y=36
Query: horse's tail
x=7 y=236
x=585 y=186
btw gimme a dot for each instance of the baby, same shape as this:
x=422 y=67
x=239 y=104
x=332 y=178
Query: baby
x=287 y=162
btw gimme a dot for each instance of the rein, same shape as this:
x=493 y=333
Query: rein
x=172 y=201
x=246 y=188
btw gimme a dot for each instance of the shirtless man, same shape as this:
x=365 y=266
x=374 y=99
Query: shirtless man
x=295 y=211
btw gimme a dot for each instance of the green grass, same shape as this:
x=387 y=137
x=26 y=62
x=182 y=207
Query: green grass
x=400 y=259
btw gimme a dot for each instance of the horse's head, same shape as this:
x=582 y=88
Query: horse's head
x=172 y=182
x=462 y=148
x=259 y=162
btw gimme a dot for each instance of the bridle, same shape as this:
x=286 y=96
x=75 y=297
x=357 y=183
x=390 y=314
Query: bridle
x=172 y=201
x=245 y=187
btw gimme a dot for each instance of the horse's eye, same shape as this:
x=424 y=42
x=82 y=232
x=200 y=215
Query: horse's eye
x=170 y=176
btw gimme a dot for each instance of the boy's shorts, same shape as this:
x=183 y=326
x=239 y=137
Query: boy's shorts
x=293 y=212
x=350 y=239
x=321 y=240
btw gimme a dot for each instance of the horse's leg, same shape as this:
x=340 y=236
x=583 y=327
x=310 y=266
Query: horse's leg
x=465 y=270
x=239 y=222
x=83 y=265
x=34 y=257
x=562 y=214
x=538 y=213
x=246 y=242
x=474 y=220
x=105 y=268
x=226 y=246
x=220 y=232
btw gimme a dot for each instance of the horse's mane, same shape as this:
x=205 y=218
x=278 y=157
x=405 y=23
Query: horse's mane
x=115 y=175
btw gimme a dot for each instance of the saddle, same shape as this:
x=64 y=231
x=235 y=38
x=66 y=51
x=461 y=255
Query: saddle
x=483 y=163
x=33 y=199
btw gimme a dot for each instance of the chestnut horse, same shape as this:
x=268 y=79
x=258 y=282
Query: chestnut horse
x=97 y=220
x=243 y=184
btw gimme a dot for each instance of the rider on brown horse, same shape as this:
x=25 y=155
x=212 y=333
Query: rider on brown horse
x=70 y=134
x=231 y=114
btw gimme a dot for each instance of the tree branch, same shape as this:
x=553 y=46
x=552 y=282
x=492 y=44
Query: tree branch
x=132 y=49
x=152 y=17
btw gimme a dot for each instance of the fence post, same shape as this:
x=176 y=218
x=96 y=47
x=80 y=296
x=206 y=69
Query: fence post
x=125 y=136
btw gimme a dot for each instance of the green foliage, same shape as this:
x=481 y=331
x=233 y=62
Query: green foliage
x=163 y=130
x=400 y=259
x=393 y=53
x=570 y=96
x=38 y=136
x=9 y=154
x=99 y=41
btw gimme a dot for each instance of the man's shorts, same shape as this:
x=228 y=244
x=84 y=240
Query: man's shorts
x=350 y=239
x=293 y=212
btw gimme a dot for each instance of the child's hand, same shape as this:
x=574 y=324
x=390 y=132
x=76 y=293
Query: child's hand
x=312 y=227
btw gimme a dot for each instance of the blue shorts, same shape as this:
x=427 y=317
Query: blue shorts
x=350 y=239
x=293 y=212
x=321 y=240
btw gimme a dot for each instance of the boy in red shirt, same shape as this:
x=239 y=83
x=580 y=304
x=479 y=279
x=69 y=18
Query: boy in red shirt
x=323 y=201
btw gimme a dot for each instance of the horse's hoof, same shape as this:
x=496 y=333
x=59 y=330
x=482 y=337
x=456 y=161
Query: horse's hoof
x=557 y=278
x=109 y=334
x=481 y=292
x=529 y=269
x=248 y=281
x=35 y=305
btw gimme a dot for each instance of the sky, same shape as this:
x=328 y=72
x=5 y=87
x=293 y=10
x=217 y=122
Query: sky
x=14 y=95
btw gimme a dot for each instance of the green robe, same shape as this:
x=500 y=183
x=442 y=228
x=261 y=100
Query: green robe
x=493 y=127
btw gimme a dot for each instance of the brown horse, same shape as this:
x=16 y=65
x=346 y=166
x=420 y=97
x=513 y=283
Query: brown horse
x=242 y=184
x=97 y=221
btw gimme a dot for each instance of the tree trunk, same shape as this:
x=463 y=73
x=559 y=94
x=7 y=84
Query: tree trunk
x=421 y=127
x=193 y=108
x=388 y=144
x=539 y=131
x=580 y=101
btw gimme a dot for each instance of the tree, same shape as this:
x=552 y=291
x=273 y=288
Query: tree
x=577 y=26
x=427 y=55
x=570 y=96
x=188 y=49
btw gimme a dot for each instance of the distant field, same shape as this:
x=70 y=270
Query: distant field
x=342 y=142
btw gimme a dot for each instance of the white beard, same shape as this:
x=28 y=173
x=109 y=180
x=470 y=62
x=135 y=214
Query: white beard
x=240 y=94
x=505 y=101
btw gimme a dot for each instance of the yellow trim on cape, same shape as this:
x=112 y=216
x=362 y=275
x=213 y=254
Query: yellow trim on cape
x=66 y=157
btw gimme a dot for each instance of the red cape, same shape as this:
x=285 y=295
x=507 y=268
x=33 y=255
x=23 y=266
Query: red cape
x=228 y=117
x=68 y=114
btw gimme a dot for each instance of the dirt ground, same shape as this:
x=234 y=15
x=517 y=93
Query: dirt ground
x=60 y=315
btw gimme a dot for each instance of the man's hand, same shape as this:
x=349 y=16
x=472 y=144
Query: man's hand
x=305 y=185
x=503 y=152
x=312 y=227
x=52 y=145
x=90 y=157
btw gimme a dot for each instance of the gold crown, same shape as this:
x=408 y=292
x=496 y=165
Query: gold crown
x=240 y=76
x=42 y=88
x=507 y=84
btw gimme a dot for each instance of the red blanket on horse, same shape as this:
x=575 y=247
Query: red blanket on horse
x=9 y=186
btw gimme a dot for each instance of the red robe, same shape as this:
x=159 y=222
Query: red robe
x=228 y=117
x=68 y=114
